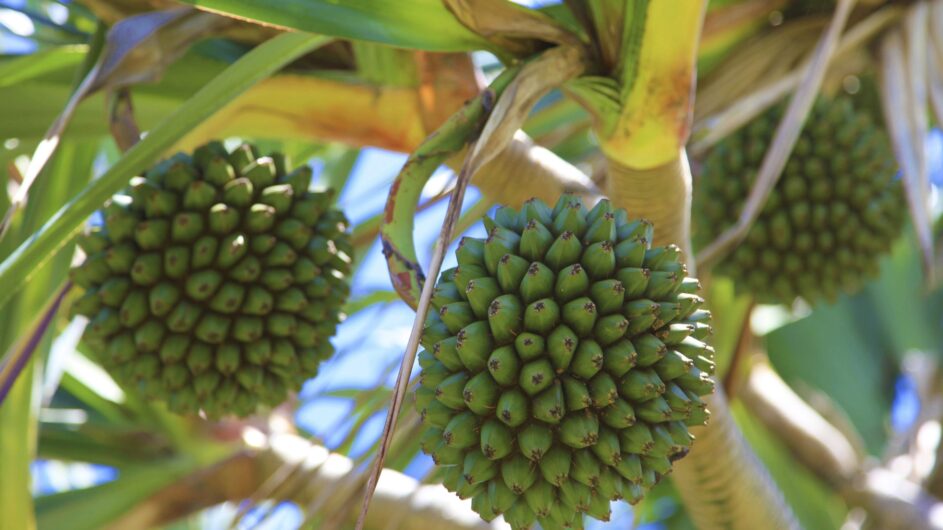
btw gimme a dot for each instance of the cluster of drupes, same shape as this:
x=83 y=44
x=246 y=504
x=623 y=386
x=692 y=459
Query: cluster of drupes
x=564 y=361
x=215 y=281
x=834 y=212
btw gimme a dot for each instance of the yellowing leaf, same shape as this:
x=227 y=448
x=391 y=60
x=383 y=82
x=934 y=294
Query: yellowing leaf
x=655 y=117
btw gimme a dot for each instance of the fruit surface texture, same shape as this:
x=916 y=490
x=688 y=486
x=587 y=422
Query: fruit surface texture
x=564 y=361
x=215 y=281
x=834 y=212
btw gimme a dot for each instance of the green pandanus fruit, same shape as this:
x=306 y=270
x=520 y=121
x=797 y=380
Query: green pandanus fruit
x=835 y=211
x=215 y=281
x=564 y=360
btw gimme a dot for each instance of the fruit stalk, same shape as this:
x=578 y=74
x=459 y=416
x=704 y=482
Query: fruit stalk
x=643 y=193
x=722 y=482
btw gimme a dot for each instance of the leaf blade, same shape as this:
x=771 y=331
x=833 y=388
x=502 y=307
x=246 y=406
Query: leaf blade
x=419 y=24
x=18 y=414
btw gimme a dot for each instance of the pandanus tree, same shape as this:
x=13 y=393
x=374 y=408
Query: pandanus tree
x=695 y=275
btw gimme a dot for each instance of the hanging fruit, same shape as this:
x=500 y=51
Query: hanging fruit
x=564 y=361
x=215 y=281
x=835 y=211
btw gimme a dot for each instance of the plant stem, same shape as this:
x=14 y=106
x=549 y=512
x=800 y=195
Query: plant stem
x=722 y=482
x=661 y=194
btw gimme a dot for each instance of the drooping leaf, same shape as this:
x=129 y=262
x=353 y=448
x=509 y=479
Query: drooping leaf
x=464 y=126
x=21 y=352
x=396 y=233
x=376 y=297
x=84 y=383
x=136 y=50
x=510 y=26
x=550 y=70
x=111 y=447
x=27 y=67
x=903 y=88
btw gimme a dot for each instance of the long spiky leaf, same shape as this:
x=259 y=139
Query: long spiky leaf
x=397 y=228
x=451 y=217
x=14 y=361
x=935 y=69
x=417 y=24
x=136 y=50
x=899 y=116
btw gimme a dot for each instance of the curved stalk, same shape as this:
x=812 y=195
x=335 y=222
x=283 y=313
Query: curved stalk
x=721 y=481
x=723 y=484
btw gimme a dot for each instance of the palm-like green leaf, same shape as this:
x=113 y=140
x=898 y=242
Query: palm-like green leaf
x=838 y=351
x=419 y=24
